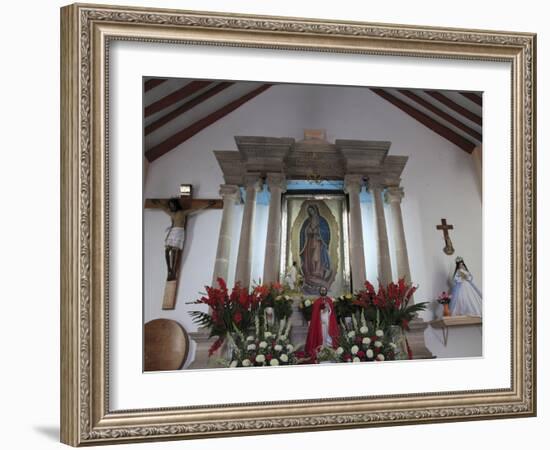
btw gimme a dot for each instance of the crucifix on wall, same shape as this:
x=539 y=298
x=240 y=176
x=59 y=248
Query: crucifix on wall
x=179 y=209
x=448 y=249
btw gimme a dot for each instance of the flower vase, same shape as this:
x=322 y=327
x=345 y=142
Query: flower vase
x=446 y=310
x=226 y=350
x=270 y=316
x=398 y=339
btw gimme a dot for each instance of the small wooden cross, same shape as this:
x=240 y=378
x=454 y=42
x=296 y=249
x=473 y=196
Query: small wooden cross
x=448 y=249
x=176 y=236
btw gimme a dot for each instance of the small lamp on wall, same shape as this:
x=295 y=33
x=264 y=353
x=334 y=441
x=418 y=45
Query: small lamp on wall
x=186 y=195
x=186 y=190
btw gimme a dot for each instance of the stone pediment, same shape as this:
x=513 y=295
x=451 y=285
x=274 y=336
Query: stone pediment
x=315 y=158
x=309 y=158
x=263 y=154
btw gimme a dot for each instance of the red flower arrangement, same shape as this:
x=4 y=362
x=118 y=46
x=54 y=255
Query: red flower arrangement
x=227 y=311
x=390 y=305
x=444 y=298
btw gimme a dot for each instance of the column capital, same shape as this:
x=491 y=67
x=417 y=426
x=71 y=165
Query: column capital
x=394 y=194
x=353 y=183
x=253 y=181
x=376 y=182
x=230 y=192
x=276 y=180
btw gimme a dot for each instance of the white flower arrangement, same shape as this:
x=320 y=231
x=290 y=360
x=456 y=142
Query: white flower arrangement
x=380 y=357
x=269 y=346
x=356 y=360
x=363 y=340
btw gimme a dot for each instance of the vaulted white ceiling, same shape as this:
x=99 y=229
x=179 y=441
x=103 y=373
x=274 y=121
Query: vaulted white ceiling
x=177 y=109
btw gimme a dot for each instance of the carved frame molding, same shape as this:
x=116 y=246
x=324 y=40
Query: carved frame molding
x=86 y=32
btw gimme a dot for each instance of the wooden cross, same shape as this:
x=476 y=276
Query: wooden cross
x=448 y=249
x=178 y=210
x=195 y=204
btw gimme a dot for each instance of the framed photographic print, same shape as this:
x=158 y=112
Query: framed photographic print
x=275 y=224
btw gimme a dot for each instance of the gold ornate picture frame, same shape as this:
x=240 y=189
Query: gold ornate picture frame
x=87 y=31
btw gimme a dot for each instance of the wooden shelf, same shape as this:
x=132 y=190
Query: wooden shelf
x=456 y=321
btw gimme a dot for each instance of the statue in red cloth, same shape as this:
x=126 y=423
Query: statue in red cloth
x=323 y=327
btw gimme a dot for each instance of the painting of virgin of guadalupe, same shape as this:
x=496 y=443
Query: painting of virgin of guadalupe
x=314 y=251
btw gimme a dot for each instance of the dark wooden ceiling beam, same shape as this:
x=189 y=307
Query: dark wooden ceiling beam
x=188 y=132
x=426 y=120
x=455 y=107
x=179 y=94
x=476 y=98
x=187 y=106
x=439 y=112
x=153 y=83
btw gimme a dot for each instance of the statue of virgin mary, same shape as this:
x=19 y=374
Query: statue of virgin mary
x=465 y=296
x=314 y=251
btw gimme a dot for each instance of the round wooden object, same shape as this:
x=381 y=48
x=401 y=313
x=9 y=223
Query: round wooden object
x=166 y=345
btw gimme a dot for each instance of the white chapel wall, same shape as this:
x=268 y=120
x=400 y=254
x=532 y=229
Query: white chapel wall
x=439 y=181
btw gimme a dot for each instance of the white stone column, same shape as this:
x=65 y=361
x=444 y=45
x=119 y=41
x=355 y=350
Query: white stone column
x=384 y=261
x=394 y=195
x=244 y=256
x=231 y=195
x=352 y=186
x=277 y=186
x=477 y=154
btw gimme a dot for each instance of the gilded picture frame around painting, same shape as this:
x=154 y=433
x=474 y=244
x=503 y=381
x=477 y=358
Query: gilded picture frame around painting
x=87 y=32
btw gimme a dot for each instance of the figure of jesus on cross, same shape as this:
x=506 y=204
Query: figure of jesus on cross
x=179 y=211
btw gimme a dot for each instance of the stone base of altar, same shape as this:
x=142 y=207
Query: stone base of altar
x=415 y=338
x=298 y=332
x=203 y=343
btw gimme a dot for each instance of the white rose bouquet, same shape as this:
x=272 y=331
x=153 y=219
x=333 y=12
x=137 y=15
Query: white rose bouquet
x=265 y=347
x=363 y=342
